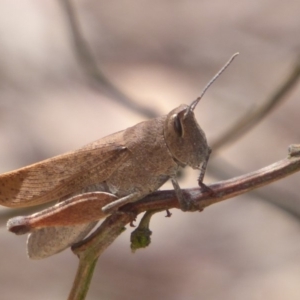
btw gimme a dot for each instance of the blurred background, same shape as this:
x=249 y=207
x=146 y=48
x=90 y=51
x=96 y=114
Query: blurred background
x=74 y=71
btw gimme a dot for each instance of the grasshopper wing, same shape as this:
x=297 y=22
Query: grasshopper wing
x=48 y=241
x=61 y=176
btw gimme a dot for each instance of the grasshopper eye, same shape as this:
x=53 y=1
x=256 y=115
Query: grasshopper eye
x=178 y=126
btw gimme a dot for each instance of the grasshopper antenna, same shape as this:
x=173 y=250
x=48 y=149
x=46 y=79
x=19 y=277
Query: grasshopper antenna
x=195 y=102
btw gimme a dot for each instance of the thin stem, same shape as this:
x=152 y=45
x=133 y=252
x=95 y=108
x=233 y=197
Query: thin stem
x=90 y=249
x=85 y=271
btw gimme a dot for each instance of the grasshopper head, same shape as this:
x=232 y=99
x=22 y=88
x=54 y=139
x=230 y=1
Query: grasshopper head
x=184 y=137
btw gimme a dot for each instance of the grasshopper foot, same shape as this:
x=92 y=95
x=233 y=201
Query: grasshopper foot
x=205 y=188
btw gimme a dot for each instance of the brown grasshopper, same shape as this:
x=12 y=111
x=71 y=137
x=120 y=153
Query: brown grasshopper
x=97 y=179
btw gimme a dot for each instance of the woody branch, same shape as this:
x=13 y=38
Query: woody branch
x=91 y=248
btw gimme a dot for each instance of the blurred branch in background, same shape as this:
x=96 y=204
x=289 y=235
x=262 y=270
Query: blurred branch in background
x=223 y=169
x=252 y=118
x=89 y=64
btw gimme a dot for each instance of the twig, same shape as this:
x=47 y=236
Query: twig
x=252 y=118
x=89 y=252
x=283 y=198
x=90 y=249
x=141 y=236
x=88 y=62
